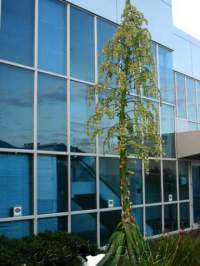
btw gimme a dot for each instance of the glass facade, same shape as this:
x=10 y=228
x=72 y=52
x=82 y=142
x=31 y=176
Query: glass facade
x=50 y=171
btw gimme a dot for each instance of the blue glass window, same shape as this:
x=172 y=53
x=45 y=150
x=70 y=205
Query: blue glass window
x=183 y=171
x=52 y=36
x=138 y=215
x=17 y=31
x=52 y=184
x=85 y=225
x=52 y=113
x=171 y=221
x=83 y=187
x=153 y=220
x=15 y=184
x=191 y=97
x=181 y=95
x=82 y=45
x=135 y=180
x=81 y=110
x=16 y=107
x=169 y=180
x=198 y=100
x=14 y=230
x=52 y=224
x=184 y=215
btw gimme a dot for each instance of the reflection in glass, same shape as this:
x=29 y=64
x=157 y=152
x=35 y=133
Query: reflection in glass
x=16 y=107
x=171 y=222
x=138 y=215
x=135 y=181
x=109 y=183
x=166 y=75
x=16 y=230
x=169 y=180
x=52 y=184
x=198 y=100
x=108 y=223
x=184 y=215
x=85 y=225
x=82 y=45
x=52 y=36
x=16 y=184
x=191 y=98
x=80 y=112
x=52 y=117
x=181 y=95
x=183 y=180
x=168 y=129
x=153 y=183
x=52 y=224
x=17 y=31
x=153 y=220
x=83 y=186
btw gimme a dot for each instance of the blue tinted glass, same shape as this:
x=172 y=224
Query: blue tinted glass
x=153 y=220
x=52 y=36
x=83 y=187
x=15 y=184
x=81 y=110
x=82 y=45
x=181 y=95
x=171 y=221
x=191 y=97
x=183 y=171
x=17 y=28
x=16 y=107
x=108 y=223
x=85 y=225
x=16 y=229
x=109 y=183
x=138 y=215
x=52 y=224
x=52 y=117
x=169 y=180
x=135 y=180
x=184 y=215
x=168 y=129
x=52 y=184
x=198 y=100
x=166 y=75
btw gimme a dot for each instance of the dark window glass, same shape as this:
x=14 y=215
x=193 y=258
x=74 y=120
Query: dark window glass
x=183 y=180
x=108 y=223
x=16 y=229
x=15 y=184
x=52 y=224
x=52 y=117
x=135 y=181
x=153 y=183
x=109 y=183
x=81 y=110
x=52 y=184
x=184 y=215
x=171 y=222
x=85 y=225
x=16 y=107
x=192 y=100
x=17 y=31
x=169 y=180
x=138 y=215
x=153 y=220
x=52 y=48
x=181 y=95
x=82 y=45
x=83 y=187
x=168 y=129
x=166 y=75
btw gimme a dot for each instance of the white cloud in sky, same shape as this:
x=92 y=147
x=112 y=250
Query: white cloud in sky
x=186 y=16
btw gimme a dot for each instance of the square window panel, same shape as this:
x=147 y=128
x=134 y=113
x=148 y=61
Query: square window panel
x=153 y=220
x=15 y=230
x=171 y=222
x=52 y=224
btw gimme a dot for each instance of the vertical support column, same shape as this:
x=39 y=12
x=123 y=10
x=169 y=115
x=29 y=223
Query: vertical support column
x=144 y=200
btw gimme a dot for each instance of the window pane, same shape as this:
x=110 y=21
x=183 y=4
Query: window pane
x=138 y=215
x=109 y=183
x=52 y=36
x=168 y=129
x=52 y=184
x=184 y=215
x=81 y=110
x=17 y=31
x=153 y=221
x=82 y=45
x=169 y=180
x=135 y=180
x=183 y=180
x=52 y=224
x=15 y=184
x=85 y=225
x=83 y=187
x=52 y=117
x=181 y=95
x=108 y=224
x=16 y=229
x=153 y=183
x=171 y=222
x=198 y=100
x=191 y=97
x=16 y=107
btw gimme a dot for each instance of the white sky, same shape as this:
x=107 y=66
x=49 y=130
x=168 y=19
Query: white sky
x=186 y=16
